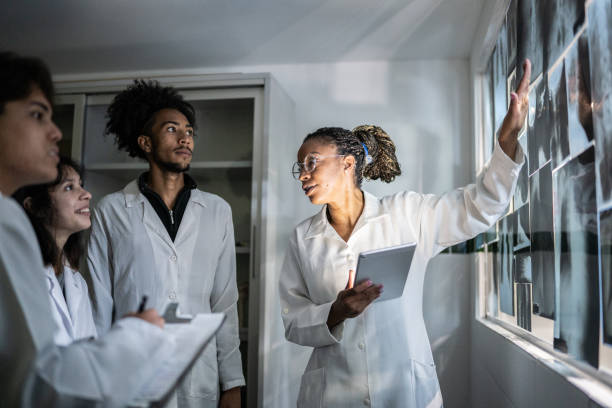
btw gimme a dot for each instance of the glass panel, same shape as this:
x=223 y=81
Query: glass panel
x=559 y=20
x=600 y=52
x=63 y=116
x=576 y=264
x=528 y=36
x=541 y=228
x=224 y=133
x=500 y=75
x=511 y=27
x=521 y=229
x=559 y=144
x=523 y=305
x=224 y=130
x=539 y=133
x=605 y=247
x=580 y=119
x=506 y=281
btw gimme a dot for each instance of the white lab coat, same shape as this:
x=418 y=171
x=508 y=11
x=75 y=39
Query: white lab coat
x=71 y=312
x=36 y=372
x=381 y=358
x=130 y=254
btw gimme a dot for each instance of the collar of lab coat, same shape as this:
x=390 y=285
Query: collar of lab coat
x=371 y=211
x=133 y=196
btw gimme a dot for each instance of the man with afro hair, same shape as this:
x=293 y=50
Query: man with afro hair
x=164 y=238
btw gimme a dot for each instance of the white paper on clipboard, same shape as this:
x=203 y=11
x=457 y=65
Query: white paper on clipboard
x=189 y=339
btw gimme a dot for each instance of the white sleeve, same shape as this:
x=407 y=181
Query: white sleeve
x=36 y=372
x=223 y=299
x=305 y=322
x=461 y=214
x=99 y=267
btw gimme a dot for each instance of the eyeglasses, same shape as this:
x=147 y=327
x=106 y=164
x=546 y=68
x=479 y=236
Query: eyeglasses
x=309 y=164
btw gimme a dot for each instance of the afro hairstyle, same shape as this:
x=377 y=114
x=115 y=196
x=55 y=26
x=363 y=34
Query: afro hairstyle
x=132 y=111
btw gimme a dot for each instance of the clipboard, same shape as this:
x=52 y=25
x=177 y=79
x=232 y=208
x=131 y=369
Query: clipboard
x=386 y=266
x=191 y=338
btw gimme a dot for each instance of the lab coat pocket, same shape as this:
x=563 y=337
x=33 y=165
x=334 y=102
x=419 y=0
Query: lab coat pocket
x=311 y=389
x=204 y=378
x=426 y=390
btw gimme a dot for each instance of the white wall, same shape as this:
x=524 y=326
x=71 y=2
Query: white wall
x=425 y=108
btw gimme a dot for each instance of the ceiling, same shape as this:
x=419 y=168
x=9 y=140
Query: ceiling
x=82 y=36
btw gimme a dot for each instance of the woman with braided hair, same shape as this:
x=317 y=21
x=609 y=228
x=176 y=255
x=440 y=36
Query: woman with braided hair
x=378 y=355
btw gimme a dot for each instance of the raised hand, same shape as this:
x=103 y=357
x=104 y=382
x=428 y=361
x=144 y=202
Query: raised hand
x=352 y=301
x=517 y=112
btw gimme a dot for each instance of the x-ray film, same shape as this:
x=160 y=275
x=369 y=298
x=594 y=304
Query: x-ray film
x=500 y=76
x=511 y=27
x=600 y=52
x=578 y=85
x=558 y=20
x=523 y=305
x=542 y=242
x=522 y=267
x=521 y=228
x=521 y=192
x=576 y=263
x=540 y=131
x=605 y=250
x=559 y=144
x=506 y=280
x=528 y=37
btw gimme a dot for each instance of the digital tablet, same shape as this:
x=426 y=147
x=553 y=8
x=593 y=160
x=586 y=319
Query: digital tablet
x=386 y=266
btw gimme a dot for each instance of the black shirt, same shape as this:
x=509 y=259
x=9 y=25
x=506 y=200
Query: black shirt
x=171 y=218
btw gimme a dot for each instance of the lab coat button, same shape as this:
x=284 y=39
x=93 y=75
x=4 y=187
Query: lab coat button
x=285 y=311
x=361 y=346
x=366 y=401
x=173 y=258
x=172 y=296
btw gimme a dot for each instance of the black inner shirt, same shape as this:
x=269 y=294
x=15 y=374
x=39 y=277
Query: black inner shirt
x=171 y=218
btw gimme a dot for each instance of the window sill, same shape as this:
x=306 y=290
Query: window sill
x=595 y=384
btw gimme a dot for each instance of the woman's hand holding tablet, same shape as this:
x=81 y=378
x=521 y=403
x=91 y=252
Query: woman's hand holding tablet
x=353 y=300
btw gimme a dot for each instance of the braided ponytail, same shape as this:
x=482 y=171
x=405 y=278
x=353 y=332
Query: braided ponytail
x=384 y=165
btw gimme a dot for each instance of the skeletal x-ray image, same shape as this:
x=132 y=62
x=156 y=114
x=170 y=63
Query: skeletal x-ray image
x=500 y=63
x=493 y=269
x=491 y=235
x=558 y=21
x=521 y=191
x=523 y=305
x=559 y=144
x=511 y=27
x=506 y=253
x=521 y=229
x=528 y=37
x=522 y=267
x=600 y=55
x=576 y=263
x=541 y=129
x=578 y=86
x=605 y=248
x=542 y=242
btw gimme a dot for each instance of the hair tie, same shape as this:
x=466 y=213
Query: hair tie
x=368 y=158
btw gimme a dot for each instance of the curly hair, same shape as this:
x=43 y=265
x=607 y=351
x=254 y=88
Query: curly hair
x=42 y=216
x=132 y=113
x=384 y=165
x=20 y=75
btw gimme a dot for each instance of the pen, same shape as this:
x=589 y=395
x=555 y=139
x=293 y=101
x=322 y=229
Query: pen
x=143 y=303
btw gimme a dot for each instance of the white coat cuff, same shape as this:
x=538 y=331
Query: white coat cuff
x=500 y=158
x=335 y=334
x=232 y=384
